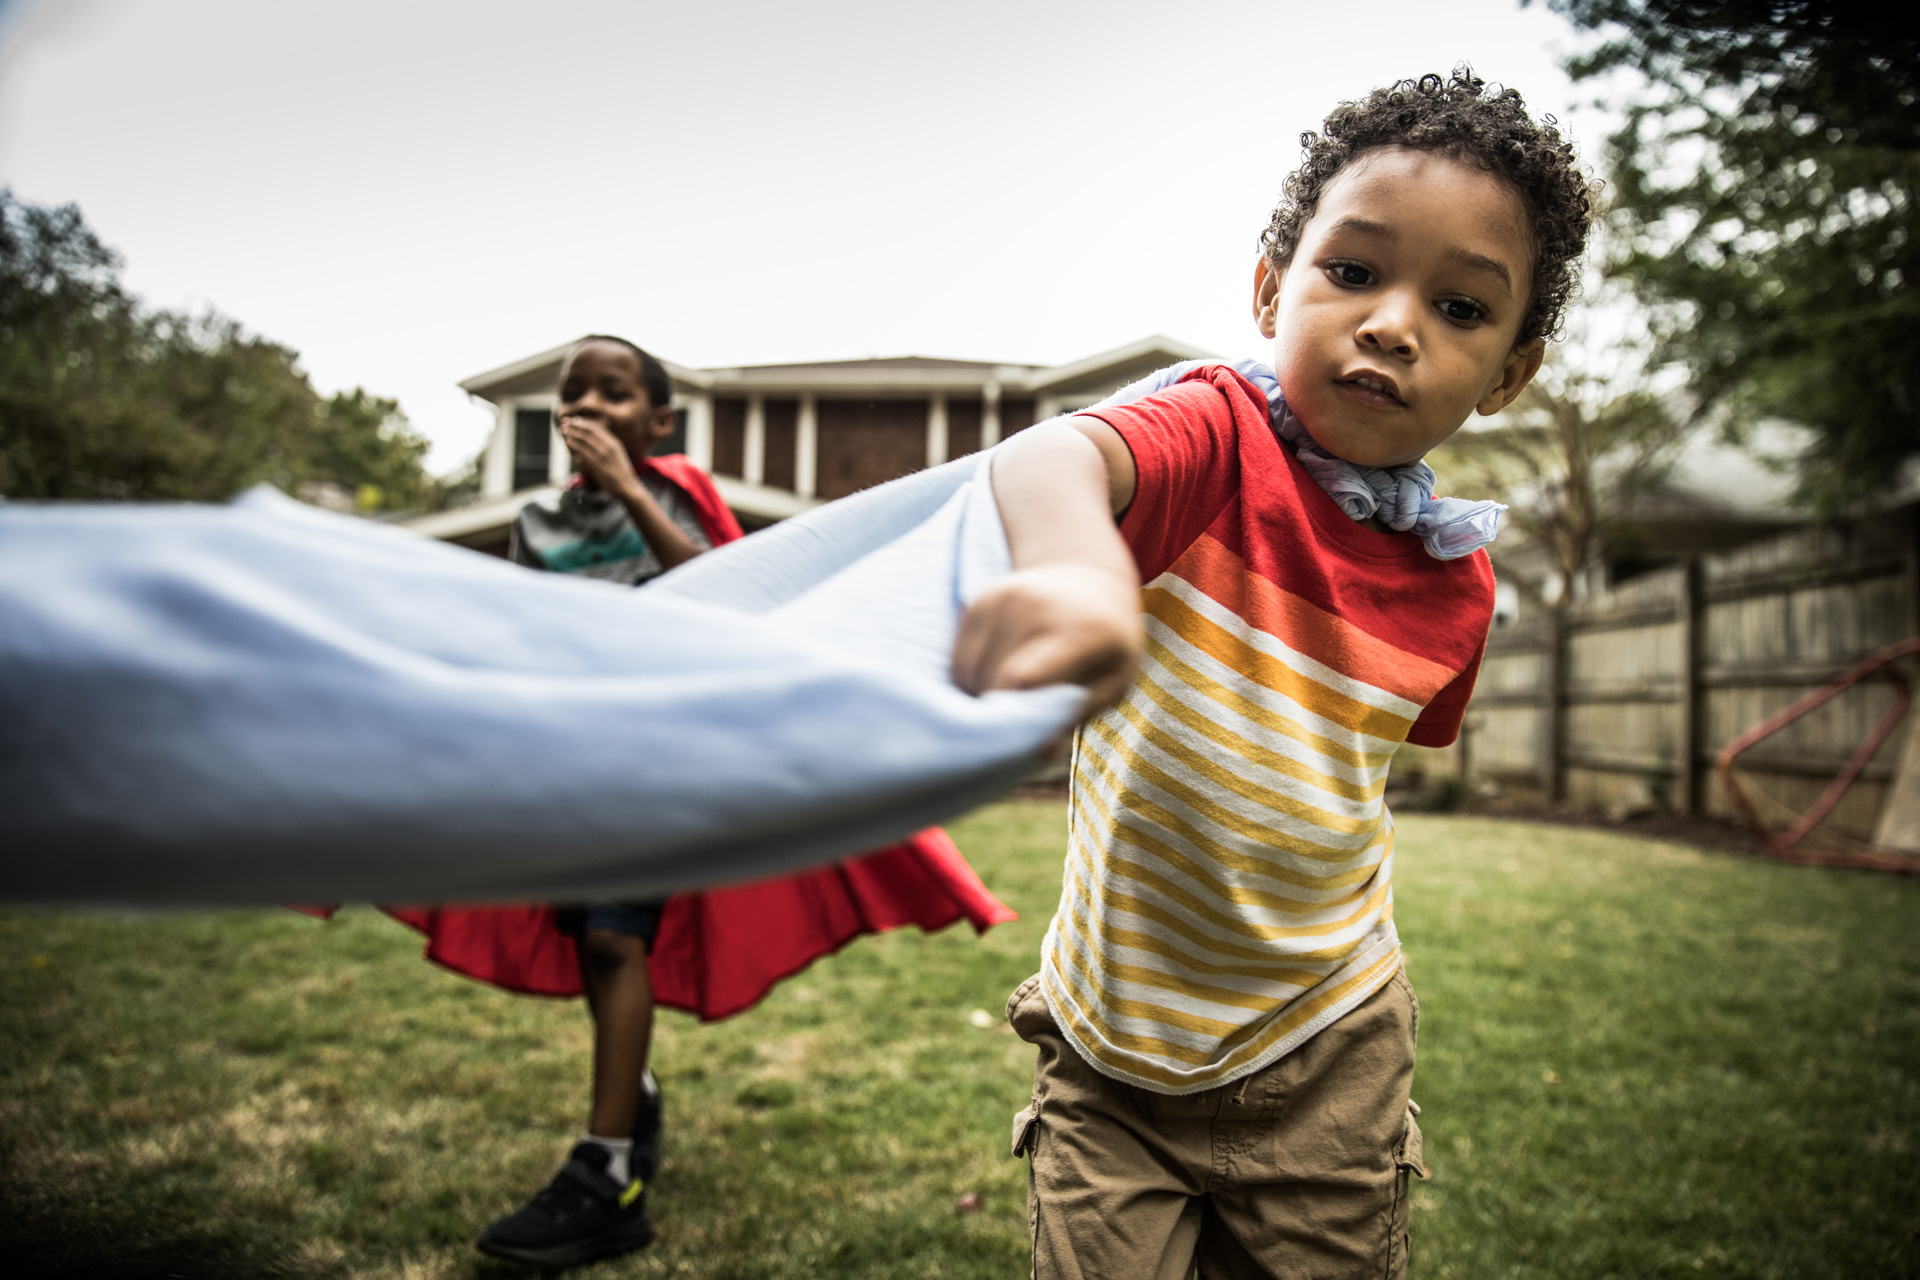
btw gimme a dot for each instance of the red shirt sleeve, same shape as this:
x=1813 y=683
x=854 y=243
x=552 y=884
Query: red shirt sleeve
x=1439 y=722
x=1185 y=443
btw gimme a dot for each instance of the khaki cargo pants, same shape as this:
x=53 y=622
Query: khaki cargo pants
x=1298 y=1171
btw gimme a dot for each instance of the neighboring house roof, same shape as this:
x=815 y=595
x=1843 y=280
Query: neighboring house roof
x=1718 y=495
x=1751 y=482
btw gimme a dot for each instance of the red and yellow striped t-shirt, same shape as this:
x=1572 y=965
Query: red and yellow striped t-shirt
x=1229 y=877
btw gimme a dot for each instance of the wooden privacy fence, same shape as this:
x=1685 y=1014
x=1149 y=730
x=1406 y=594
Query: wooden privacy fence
x=1621 y=700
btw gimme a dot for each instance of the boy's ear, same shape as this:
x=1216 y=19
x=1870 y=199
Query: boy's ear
x=1266 y=296
x=1518 y=371
x=659 y=424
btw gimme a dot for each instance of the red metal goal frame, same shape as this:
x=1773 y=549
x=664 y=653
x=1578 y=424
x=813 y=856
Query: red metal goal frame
x=1781 y=846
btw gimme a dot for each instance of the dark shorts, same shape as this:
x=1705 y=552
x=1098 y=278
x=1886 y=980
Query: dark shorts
x=635 y=919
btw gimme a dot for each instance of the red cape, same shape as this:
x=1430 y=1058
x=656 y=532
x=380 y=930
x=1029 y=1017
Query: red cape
x=720 y=950
x=714 y=513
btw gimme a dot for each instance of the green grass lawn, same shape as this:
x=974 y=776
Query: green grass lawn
x=1636 y=1060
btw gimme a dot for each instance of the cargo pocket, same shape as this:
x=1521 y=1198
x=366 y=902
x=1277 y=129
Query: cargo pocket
x=1408 y=1160
x=1026 y=1142
x=1021 y=994
x=1411 y=1153
x=1025 y=1130
x=1027 y=1015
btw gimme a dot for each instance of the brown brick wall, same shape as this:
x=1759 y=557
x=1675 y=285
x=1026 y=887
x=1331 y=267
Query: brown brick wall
x=963 y=426
x=783 y=428
x=867 y=442
x=729 y=436
x=1016 y=414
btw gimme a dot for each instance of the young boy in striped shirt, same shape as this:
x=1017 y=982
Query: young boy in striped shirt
x=1225 y=1033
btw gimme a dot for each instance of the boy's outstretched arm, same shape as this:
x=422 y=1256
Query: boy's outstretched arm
x=1070 y=610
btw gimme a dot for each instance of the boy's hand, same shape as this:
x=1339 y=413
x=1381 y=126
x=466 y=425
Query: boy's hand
x=1053 y=624
x=1070 y=610
x=598 y=453
x=605 y=461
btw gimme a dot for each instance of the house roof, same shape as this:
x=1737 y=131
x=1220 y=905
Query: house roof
x=884 y=362
x=535 y=374
x=1145 y=351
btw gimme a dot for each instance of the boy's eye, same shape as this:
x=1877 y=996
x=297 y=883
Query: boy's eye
x=1462 y=309
x=1351 y=273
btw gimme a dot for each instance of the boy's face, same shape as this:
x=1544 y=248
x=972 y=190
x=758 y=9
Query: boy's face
x=1397 y=317
x=602 y=383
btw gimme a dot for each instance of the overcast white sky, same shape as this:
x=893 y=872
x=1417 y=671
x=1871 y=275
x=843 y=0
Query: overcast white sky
x=410 y=193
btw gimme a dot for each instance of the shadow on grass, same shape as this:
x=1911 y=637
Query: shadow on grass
x=112 y=1257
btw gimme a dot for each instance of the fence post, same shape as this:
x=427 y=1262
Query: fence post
x=1899 y=825
x=1553 y=737
x=1913 y=568
x=1689 y=779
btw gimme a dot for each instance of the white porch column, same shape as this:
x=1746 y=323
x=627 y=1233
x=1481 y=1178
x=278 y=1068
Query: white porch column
x=700 y=431
x=806 y=449
x=496 y=477
x=1048 y=407
x=936 y=429
x=754 y=468
x=990 y=415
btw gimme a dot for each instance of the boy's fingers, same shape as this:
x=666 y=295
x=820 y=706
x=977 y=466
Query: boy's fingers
x=579 y=432
x=1041 y=661
x=1104 y=671
x=994 y=651
x=972 y=649
x=1031 y=633
x=966 y=662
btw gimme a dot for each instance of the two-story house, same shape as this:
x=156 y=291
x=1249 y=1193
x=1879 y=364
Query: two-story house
x=781 y=438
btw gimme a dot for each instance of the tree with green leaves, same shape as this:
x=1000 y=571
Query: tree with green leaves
x=1763 y=207
x=101 y=398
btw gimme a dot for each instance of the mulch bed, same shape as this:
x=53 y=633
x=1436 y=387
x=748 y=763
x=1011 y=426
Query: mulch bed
x=1697 y=829
x=1701 y=831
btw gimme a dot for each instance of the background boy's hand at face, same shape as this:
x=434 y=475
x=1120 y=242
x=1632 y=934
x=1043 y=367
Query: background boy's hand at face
x=598 y=453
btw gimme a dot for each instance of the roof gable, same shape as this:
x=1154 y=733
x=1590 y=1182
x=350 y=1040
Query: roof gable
x=537 y=374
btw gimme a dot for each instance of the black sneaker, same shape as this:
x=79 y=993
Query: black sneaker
x=582 y=1215
x=645 y=1160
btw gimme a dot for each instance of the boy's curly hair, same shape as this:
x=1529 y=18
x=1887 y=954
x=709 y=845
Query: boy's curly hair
x=1459 y=118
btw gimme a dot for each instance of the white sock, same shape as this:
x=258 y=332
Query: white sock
x=618 y=1149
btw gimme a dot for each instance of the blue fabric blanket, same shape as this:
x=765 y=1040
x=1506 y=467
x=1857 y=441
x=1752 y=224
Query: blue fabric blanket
x=267 y=703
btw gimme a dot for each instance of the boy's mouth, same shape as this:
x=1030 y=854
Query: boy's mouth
x=1372 y=386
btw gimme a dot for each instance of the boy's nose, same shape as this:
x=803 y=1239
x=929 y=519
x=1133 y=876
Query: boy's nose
x=1391 y=326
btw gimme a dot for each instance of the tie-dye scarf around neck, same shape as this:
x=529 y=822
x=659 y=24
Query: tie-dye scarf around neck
x=1399 y=497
